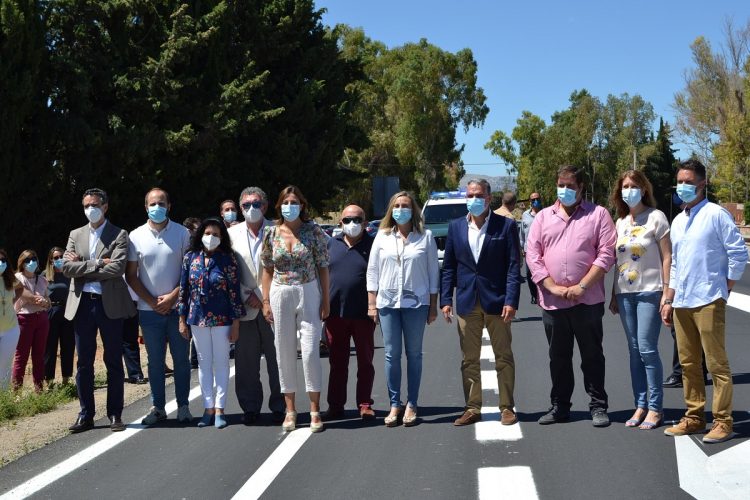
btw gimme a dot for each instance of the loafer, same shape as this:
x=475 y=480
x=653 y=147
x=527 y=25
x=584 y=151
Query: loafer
x=139 y=380
x=673 y=381
x=249 y=418
x=599 y=417
x=508 y=417
x=116 y=424
x=467 y=418
x=81 y=425
x=366 y=412
x=554 y=415
x=332 y=414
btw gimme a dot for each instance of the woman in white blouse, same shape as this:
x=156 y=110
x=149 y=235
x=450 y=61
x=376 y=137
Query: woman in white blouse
x=403 y=283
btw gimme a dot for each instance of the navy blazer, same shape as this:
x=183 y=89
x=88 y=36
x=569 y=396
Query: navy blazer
x=494 y=280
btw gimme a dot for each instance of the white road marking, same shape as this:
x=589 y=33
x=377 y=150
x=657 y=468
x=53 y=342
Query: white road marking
x=722 y=475
x=487 y=353
x=489 y=381
x=86 y=455
x=490 y=428
x=506 y=482
x=274 y=464
x=739 y=301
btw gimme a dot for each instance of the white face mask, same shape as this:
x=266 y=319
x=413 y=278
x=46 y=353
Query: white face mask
x=93 y=214
x=253 y=215
x=210 y=241
x=352 y=229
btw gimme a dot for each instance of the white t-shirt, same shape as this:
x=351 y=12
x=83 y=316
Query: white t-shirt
x=639 y=262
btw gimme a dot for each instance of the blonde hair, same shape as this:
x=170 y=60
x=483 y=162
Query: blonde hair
x=647 y=192
x=388 y=222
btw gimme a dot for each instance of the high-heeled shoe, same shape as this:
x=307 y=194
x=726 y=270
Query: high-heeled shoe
x=219 y=421
x=290 y=421
x=392 y=420
x=410 y=420
x=206 y=420
x=315 y=426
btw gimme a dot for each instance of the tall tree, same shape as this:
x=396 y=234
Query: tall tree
x=661 y=167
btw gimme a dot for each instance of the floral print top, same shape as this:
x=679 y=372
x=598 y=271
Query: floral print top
x=210 y=293
x=639 y=261
x=299 y=265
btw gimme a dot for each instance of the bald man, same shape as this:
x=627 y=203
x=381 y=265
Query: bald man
x=349 y=253
x=526 y=220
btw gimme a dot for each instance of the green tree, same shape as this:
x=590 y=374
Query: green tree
x=661 y=168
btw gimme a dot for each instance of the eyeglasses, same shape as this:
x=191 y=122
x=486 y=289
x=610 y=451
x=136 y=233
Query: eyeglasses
x=253 y=204
x=349 y=220
x=29 y=259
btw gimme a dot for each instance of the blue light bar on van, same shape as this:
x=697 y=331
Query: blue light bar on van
x=443 y=195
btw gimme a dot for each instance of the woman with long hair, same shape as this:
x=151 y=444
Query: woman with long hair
x=10 y=291
x=60 y=329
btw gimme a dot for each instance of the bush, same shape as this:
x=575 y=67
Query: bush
x=747 y=212
x=26 y=403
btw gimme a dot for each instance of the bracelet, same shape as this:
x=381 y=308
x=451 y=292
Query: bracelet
x=668 y=302
x=266 y=301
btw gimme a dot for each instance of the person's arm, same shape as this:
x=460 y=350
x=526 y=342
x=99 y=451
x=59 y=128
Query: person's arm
x=734 y=245
x=183 y=302
x=433 y=274
x=373 y=277
x=513 y=278
x=605 y=257
x=131 y=277
x=113 y=267
x=73 y=264
x=325 y=300
x=235 y=296
x=448 y=276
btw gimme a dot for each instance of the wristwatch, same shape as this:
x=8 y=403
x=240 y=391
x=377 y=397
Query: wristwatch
x=667 y=302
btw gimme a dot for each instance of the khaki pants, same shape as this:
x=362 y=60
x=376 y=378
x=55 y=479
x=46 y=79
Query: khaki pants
x=703 y=327
x=470 y=335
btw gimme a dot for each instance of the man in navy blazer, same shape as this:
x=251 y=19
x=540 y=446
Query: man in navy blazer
x=482 y=264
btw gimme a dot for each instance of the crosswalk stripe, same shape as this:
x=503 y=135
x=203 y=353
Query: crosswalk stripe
x=515 y=482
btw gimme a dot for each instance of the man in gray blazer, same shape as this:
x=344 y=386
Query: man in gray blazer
x=98 y=299
x=256 y=335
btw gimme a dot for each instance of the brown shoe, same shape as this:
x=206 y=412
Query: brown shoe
x=508 y=417
x=720 y=432
x=366 y=412
x=686 y=426
x=468 y=418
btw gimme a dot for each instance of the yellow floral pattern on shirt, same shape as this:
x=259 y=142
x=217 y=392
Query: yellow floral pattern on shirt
x=630 y=243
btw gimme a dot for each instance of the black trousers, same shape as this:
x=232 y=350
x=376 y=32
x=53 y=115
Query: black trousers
x=131 y=351
x=584 y=324
x=532 y=285
x=60 y=332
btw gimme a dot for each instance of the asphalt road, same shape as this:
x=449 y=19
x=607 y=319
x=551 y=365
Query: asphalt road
x=353 y=459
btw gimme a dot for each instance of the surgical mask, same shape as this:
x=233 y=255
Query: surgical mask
x=31 y=266
x=677 y=200
x=230 y=216
x=475 y=206
x=402 y=215
x=566 y=196
x=352 y=229
x=290 y=213
x=58 y=263
x=631 y=196
x=93 y=214
x=537 y=204
x=210 y=242
x=253 y=215
x=686 y=192
x=3 y=267
x=157 y=213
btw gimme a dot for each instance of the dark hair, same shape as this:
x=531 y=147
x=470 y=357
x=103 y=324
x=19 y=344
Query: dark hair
x=578 y=172
x=647 y=192
x=8 y=276
x=221 y=205
x=695 y=166
x=49 y=272
x=102 y=194
x=191 y=222
x=196 y=245
x=145 y=198
x=303 y=214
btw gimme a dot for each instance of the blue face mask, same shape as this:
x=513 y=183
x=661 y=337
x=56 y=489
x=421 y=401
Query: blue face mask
x=230 y=216
x=536 y=204
x=58 y=263
x=31 y=266
x=686 y=192
x=566 y=196
x=157 y=213
x=402 y=215
x=677 y=200
x=631 y=196
x=290 y=213
x=3 y=267
x=475 y=206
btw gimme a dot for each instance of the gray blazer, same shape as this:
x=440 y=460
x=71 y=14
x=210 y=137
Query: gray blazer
x=112 y=245
x=249 y=273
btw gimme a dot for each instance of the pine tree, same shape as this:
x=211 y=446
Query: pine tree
x=661 y=168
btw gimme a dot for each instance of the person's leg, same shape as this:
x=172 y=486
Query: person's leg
x=111 y=333
x=310 y=328
x=710 y=320
x=179 y=347
x=363 y=331
x=193 y=353
x=284 y=302
x=131 y=351
x=532 y=285
x=38 y=346
x=588 y=331
x=220 y=348
x=8 y=342
x=649 y=326
x=676 y=366
x=338 y=332
x=85 y=329
x=505 y=367
x=413 y=324
x=470 y=339
x=50 y=350
x=390 y=324
x=559 y=334
x=67 y=348
x=268 y=348
x=247 y=384
x=153 y=326
x=23 y=349
x=204 y=347
x=629 y=310
x=689 y=347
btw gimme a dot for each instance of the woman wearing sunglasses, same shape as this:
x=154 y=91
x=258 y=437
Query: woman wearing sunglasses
x=60 y=329
x=10 y=290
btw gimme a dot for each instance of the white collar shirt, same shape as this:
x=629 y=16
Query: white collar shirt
x=476 y=235
x=94 y=236
x=256 y=243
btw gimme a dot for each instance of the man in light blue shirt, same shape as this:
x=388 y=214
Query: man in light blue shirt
x=708 y=256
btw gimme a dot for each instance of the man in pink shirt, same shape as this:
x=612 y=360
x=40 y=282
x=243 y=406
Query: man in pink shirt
x=570 y=247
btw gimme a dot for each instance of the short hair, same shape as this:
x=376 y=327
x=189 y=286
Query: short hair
x=191 y=222
x=253 y=190
x=102 y=194
x=221 y=205
x=647 y=192
x=695 y=166
x=290 y=189
x=196 y=241
x=8 y=276
x=145 y=198
x=509 y=198
x=482 y=182
x=578 y=172
x=387 y=223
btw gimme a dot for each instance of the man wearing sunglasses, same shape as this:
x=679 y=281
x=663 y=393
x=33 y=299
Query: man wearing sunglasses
x=349 y=253
x=256 y=335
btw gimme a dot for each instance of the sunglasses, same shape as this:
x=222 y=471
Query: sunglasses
x=3 y=260
x=253 y=204
x=29 y=259
x=349 y=220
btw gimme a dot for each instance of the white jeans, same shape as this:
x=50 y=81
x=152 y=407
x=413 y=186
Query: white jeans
x=297 y=308
x=8 y=342
x=212 y=346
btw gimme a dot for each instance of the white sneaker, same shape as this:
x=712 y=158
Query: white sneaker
x=154 y=416
x=183 y=414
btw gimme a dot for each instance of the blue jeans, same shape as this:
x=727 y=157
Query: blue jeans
x=158 y=330
x=410 y=324
x=639 y=313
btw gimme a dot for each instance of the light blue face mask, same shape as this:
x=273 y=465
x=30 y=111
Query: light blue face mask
x=631 y=196
x=58 y=263
x=687 y=192
x=566 y=196
x=402 y=215
x=475 y=206
x=31 y=266
x=290 y=213
x=157 y=213
x=3 y=267
x=230 y=216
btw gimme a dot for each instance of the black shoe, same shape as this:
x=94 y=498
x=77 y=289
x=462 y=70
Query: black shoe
x=115 y=424
x=673 y=381
x=139 y=380
x=323 y=349
x=167 y=370
x=333 y=414
x=533 y=300
x=599 y=417
x=554 y=415
x=231 y=351
x=81 y=425
x=278 y=417
x=193 y=366
x=249 y=418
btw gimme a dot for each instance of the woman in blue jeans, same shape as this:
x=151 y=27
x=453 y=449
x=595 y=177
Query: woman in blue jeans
x=402 y=284
x=644 y=256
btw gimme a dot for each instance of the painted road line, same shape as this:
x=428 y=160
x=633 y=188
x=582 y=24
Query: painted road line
x=722 y=475
x=507 y=482
x=739 y=301
x=487 y=353
x=86 y=455
x=489 y=381
x=490 y=428
x=274 y=464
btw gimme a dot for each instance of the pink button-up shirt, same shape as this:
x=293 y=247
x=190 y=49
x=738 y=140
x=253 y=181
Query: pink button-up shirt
x=565 y=250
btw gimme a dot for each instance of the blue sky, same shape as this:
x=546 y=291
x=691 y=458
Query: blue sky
x=533 y=54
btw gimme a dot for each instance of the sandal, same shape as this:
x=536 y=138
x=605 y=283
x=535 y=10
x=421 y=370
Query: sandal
x=392 y=420
x=410 y=420
x=635 y=422
x=290 y=421
x=648 y=426
x=315 y=426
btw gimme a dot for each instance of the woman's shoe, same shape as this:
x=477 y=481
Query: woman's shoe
x=648 y=426
x=290 y=421
x=635 y=422
x=315 y=426
x=410 y=420
x=206 y=420
x=220 y=422
x=392 y=420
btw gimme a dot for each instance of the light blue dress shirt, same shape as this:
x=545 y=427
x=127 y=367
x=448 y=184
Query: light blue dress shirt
x=707 y=250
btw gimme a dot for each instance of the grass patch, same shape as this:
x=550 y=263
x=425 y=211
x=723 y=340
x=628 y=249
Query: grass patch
x=26 y=403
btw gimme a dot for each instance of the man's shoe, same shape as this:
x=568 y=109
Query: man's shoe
x=167 y=370
x=155 y=415
x=332 y=414
x=686 y=426
x=533 y=300
x=366 y=412
x=508 y=417
x=184 y=415
x=599 y=417
x=115 y=424
x=720 y=432
x=249 y=418
x=139 y=380
x=81 y=425
x=277 y=417
x=554 y=415
x=673 y=381
x=467 y=418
